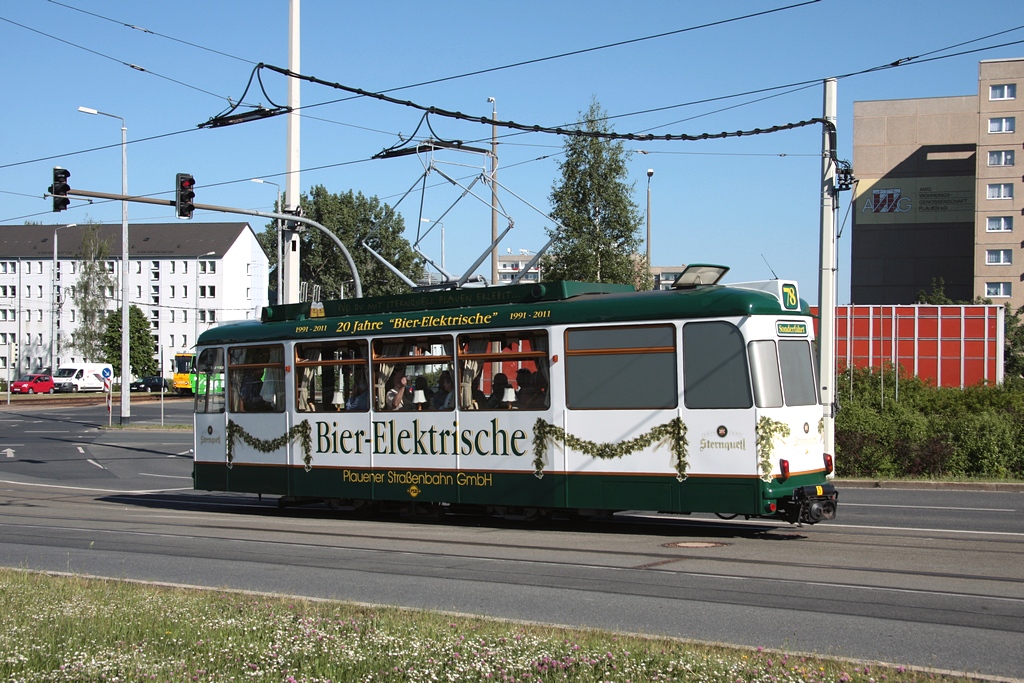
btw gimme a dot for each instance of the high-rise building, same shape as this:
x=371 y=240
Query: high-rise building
x=938 y=197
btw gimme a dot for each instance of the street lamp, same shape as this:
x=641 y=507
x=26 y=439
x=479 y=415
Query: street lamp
x=55 y=308
x=126 y=408
x=650 y=174
x=277 y=222
x=195 y=294
x=494 y=191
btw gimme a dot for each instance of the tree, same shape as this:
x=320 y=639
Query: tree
x=354 y=218
x=91 y=289
x=593 y=202
x=937 y=297
x=141 y=349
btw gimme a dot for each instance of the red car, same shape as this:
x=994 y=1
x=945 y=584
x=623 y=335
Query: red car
x=33 y=384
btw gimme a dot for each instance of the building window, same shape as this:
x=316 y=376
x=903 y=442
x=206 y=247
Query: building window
x=1000 y=224
x=1006 y=91
x=1000 y=191
x=211 y=316
x=997 y=289
x=1002 y=124
x=998 y=257
x=1002 y=157
x=172 y=287
x=138 y=266
x=138 y=291
x=172 y=266
x=110 y=266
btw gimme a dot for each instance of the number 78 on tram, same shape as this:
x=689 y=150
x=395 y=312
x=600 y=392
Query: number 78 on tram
x=525 y=399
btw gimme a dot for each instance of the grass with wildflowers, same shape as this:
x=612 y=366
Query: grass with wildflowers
x=59 y=628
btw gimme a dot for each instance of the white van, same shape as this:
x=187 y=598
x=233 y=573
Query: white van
x=82 y=376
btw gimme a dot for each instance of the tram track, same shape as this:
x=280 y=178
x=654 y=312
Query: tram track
x=518 y=543
x=978 y=610
x=898 y=596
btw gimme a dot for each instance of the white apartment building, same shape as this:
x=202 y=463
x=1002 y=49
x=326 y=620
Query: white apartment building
x=510 y=265
x=186 y=278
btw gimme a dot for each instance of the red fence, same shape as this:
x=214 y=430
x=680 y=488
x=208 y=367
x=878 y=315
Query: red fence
x=947 y=346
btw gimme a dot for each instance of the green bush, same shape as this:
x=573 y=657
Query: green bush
x=902 y=427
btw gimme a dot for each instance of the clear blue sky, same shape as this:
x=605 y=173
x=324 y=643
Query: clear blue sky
x=740 y=202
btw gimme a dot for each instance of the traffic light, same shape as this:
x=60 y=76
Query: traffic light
x=184 y=193
x=59 y=188
x=14 y=354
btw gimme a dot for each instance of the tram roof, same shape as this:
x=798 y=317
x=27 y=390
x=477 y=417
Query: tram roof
x=479 y=309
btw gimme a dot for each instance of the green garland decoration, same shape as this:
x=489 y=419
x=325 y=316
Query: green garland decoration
x=301 y=431
x=674 y=431
x=767 y=430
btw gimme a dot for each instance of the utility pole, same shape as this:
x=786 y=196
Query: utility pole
x=827 y=273
x=290 y=240
x=494 y=190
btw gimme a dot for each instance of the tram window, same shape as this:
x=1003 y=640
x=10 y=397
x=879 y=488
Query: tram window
x=798 y=373
x=616 y=368
x=209 y=389
x=504 y=371
x=256 y=379
x=405 y=366
x=764 y=370
x=715 y=366
x=332 y=375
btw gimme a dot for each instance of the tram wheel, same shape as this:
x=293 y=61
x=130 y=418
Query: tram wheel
x=721 y=516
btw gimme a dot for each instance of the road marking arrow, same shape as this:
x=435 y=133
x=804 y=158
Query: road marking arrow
x=9 y=452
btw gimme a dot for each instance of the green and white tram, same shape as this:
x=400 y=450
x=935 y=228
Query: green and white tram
x=524 y=399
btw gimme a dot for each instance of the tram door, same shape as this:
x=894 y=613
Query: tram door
x=719 y=404
x=256 y=409
x=210 y=421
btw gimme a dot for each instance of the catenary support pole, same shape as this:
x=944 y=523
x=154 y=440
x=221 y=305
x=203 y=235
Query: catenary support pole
x=290 y=237
x=827 y=273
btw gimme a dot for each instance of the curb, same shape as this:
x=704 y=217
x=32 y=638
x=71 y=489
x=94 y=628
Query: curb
x=1006 y=487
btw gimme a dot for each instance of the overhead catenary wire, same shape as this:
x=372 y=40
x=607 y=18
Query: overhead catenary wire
x=130 y=65
x=896 y=63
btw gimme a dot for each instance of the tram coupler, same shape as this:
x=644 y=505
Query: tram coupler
x=810 y=504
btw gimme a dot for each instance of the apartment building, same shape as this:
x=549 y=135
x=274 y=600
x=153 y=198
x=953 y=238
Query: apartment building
x=939 y=194
x=186 y=278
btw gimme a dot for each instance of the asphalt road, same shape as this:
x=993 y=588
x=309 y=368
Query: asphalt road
x=931 y=578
